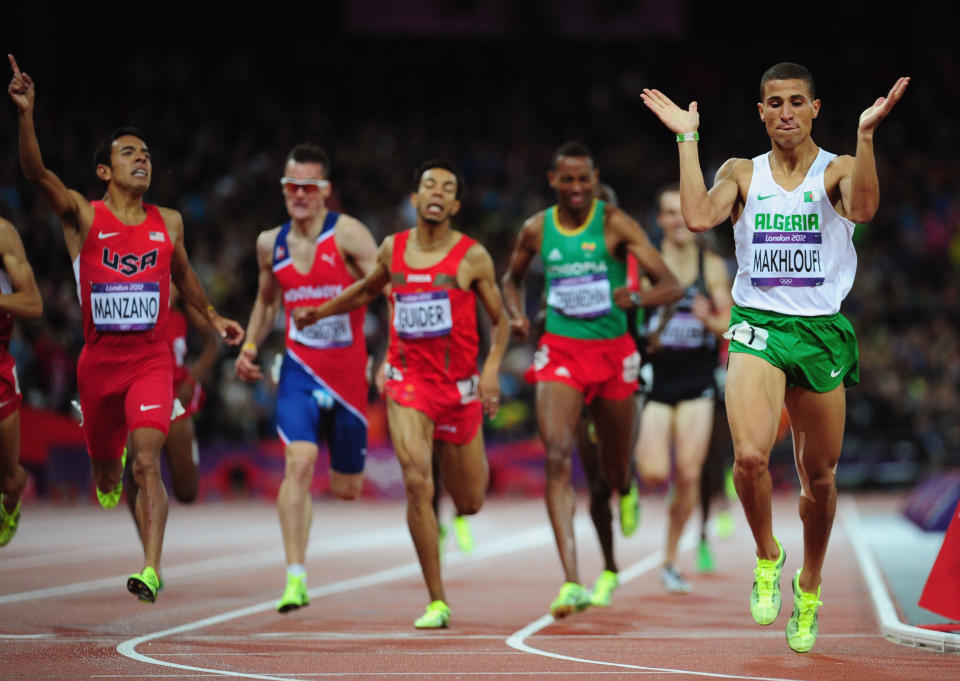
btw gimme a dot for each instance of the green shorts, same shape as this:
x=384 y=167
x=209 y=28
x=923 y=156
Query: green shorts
x=815 y=353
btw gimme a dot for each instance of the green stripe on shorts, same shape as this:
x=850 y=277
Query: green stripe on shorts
x=815 y=353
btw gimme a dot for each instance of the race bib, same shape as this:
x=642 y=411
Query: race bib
x=469 y=389
x=585 y=297
x=125 y=306
x=787 y=259
x=683 y=332
x=422 y=315
x=330 y=332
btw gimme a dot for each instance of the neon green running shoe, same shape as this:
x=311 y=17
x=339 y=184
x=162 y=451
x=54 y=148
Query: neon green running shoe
x=8 y=522
x=724 y=524
x=461 y=530
x=295 y=595
x=705 y=562
x=436 y=616
x=802 y=625
x=112 y=498
x=572 y=598
x=603 y=589
x=630 y=510
x=729 y=488
x=144 y=585
x=765 y=597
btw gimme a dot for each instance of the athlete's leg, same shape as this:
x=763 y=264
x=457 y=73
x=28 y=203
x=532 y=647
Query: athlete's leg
x=653 y=444
x=613 y=420
x=755 y=392
x=817 y=421
x=293 y=500
x=183 y=458
x=558 y=411
x=465 y=472
x=152 y=505
x=412 y=434
x=13 y=476
x=600 y=493
x=692 y=425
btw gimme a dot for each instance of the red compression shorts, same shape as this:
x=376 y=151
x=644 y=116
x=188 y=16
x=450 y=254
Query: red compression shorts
x=454 y=407
x=595 y=368
x=122 y=389
x=10 y=397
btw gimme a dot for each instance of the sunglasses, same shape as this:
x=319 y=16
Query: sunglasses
x=292 y=184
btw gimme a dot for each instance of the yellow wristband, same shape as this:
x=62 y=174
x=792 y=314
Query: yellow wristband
x=248 y=346
x=211 y=311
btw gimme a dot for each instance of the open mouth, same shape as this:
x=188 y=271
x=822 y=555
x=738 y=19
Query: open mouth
x=139 y=172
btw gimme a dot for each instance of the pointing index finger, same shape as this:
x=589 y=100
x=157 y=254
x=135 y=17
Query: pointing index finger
x=13 y=65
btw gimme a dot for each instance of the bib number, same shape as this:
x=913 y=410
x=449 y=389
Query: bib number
x=787 y=259
x=330 y=332
x=585 y=297
x=125 y=306
x=422 y=315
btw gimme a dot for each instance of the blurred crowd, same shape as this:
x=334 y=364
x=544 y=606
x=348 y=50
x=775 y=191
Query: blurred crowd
x=219 y=129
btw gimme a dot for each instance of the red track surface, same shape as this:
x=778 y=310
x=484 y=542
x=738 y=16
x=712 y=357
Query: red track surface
x=223 y=571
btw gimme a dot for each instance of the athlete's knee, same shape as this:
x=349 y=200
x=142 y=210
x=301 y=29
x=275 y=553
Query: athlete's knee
x=346 y=488
x=300 y=465
x=687 y=478
x=419 y=487
x=821 y=482
x=146 y=464
x=750 y=462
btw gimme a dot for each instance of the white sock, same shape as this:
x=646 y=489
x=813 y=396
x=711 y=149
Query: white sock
x=297 y=570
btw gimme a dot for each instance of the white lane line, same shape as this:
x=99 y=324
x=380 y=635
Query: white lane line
x=522 y=541
x=890 y=625
x=17 y=637
x=517 y=640
x=232 y=563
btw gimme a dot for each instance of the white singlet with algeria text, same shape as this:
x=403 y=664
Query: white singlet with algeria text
x=795 y=253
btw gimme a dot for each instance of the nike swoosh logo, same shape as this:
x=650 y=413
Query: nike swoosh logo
x=761 y=197
x=834 y=374
x=107 y=235
x=148 y=407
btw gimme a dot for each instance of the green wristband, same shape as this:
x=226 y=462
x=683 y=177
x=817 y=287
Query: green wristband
x=688 y=136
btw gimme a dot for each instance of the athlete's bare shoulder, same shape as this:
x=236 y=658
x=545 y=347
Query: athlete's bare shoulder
x=174 y=222
x=531 y=234
x=266 y=240
x=838 y=168
x=736 y=169
x=8 y=236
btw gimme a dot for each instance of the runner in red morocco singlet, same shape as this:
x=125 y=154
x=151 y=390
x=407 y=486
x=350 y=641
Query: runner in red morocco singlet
x=435 y=395
x=19 y=297
x=125 y=253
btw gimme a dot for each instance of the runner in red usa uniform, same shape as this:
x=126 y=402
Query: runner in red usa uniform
x=435 y=394
x=124 y=253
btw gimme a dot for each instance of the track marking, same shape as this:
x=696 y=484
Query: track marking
x=326 y=547
x=522 y=541
x=517 y=640
x=890 y=625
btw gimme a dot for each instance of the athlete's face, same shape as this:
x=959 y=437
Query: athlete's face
x=575 y=182
x=788 y=110
x=305 y=200
x=671 y=220
x=130 y=165
x=436 y=198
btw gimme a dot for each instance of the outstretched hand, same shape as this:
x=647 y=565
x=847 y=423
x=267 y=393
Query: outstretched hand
x=21 y=87
x=871 y=118
x=675 y=118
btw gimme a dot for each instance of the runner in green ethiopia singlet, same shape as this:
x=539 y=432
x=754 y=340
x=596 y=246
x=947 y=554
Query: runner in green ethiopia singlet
x=580 y=278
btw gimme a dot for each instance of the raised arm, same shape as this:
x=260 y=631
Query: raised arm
x=485 y=284
x=264 y=312
x=188 y=283
x=358 y=293
x=24 y=301
x=860 y=189
x=665 y=288
x=527 y=246
x=702 y=209
x=74 y=211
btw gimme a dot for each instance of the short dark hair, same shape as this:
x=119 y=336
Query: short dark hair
x=306 y=152
x=438 y=163
x=572 y=148
x=788 y=71
x=102 y=155
x=669 y=188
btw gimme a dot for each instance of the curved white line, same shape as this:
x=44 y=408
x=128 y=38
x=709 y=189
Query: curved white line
x=517 y=640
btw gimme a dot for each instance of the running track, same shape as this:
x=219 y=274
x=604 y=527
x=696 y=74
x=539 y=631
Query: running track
x=65 y=613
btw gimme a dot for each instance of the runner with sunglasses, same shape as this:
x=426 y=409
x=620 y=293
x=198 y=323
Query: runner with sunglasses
x=322 y=391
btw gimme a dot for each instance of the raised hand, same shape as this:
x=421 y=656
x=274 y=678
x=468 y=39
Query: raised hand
x=871 y=118
x=675 y=118
x=21 y=87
